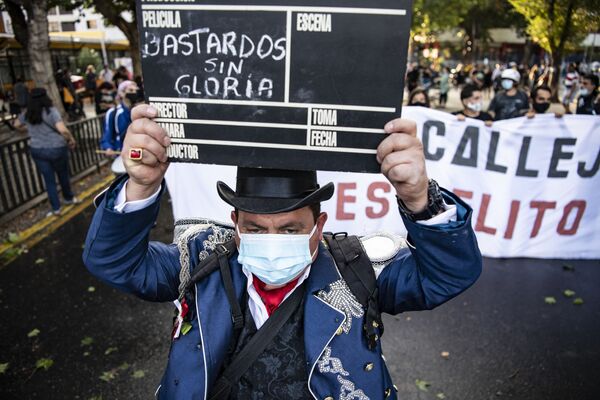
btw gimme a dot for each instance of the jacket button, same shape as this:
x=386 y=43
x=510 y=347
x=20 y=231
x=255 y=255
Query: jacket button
x=369 y=366
x=328 y=398
x=388 y=392
x=375 y=324
x=339 y=331
x=199 y=346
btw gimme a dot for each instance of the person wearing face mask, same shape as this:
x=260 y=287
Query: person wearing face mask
x=540 y=102
x=511 y=102
x=117 y=118
x=472 y=99
x=273 y=275
x=589 y=99
x=419 y=98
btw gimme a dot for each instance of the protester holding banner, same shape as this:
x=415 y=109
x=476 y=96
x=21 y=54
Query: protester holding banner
x=511 y=102
x=540 y=101
x=472 y=99
x=589 y=99
x=419 y=98
x=277 y=215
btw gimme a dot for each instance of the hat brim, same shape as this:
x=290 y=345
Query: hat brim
x=274 y=205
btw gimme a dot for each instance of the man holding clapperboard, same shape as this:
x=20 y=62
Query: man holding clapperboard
x=270 y=307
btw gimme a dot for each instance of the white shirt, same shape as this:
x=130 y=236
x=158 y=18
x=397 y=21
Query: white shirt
x=255 y=303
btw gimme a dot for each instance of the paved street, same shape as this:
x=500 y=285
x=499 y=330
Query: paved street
x=503 y=340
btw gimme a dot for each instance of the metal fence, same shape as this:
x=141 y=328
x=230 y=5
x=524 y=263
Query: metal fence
x=21 y=184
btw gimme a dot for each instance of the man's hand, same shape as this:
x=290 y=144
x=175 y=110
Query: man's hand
x=145 y=175
x=530 y=114
x=403 y=163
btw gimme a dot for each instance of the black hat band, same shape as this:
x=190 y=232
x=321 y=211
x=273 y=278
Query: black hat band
x=274 y=187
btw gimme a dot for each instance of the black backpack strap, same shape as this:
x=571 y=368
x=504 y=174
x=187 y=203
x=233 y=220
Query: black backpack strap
x=357 y=270
x=210 y=264
x=219 y=258
x=257 y=344
x=236 y=311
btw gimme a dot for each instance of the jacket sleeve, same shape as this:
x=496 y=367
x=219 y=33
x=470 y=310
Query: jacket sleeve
x=444 y=260
x=118 y=250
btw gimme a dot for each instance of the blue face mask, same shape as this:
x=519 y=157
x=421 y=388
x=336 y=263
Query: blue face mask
x=275 y=259
x=507 y=84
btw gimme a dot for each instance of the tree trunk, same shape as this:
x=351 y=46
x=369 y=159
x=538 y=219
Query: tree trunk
x=555 y=82
x=40 y=62
x=134 y=47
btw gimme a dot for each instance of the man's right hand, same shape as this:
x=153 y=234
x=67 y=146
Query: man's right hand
x=145 y=175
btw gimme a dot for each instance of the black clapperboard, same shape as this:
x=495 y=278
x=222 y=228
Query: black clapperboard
x=291 y=84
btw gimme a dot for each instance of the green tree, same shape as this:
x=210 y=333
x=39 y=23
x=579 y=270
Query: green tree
x=30 y=25
x=113 y=11
x=89 y=57
x=558 y=26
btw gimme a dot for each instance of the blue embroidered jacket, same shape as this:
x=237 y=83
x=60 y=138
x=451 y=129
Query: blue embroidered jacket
x=444 y=262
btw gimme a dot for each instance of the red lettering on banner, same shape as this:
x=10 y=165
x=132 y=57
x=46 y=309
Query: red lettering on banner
x=463 y=194
x=541 y=206
x=480 y=225
x=342 y=199
x=385 y=205
x=561 y=229
x=512 y=219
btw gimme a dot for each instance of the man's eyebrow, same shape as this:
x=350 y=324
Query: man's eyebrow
x=291 y=224
x=253 y=224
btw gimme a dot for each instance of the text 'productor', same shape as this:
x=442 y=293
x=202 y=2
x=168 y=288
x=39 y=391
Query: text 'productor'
x=183 y=151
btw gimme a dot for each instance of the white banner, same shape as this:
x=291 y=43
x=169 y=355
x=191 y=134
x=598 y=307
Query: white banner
x=533 y=184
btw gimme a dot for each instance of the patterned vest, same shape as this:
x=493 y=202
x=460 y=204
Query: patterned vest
x=280 y=371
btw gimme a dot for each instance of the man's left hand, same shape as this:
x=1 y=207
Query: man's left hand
x=403 y=163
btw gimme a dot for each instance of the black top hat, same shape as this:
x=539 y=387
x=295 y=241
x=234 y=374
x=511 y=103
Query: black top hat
x=272 y=191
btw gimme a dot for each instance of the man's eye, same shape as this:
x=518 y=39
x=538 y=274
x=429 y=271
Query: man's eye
x=290 y=231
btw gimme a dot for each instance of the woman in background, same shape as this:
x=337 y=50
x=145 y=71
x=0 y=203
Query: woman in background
x=49 y=145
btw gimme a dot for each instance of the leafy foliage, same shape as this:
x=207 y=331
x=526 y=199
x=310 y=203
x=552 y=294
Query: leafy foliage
x=559 y=24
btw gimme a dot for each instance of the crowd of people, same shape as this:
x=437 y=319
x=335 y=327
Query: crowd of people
x=113 y=92
x=517 y=90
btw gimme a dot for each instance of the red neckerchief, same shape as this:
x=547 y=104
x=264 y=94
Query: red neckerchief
x=272 y=298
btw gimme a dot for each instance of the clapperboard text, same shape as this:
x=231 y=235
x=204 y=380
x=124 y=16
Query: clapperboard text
x=287 y=85
x=232 y=81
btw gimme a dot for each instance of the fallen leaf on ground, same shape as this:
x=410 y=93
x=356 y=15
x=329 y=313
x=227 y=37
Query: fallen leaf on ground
x=86 y=353
x=86 y=341
x=578 y=301
x=44 y=363
x=40 y=261
x=110 y=350
x=549 y=300
x=33 y=332
x=3 y=367
x=91 y=289
x=422 y=385
x=445 y=354
x=569 y=293
x=568 y=267
x=123 y=366
x=137 y=374
x=440 y=396
x=13 y=237
x=108 y=376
